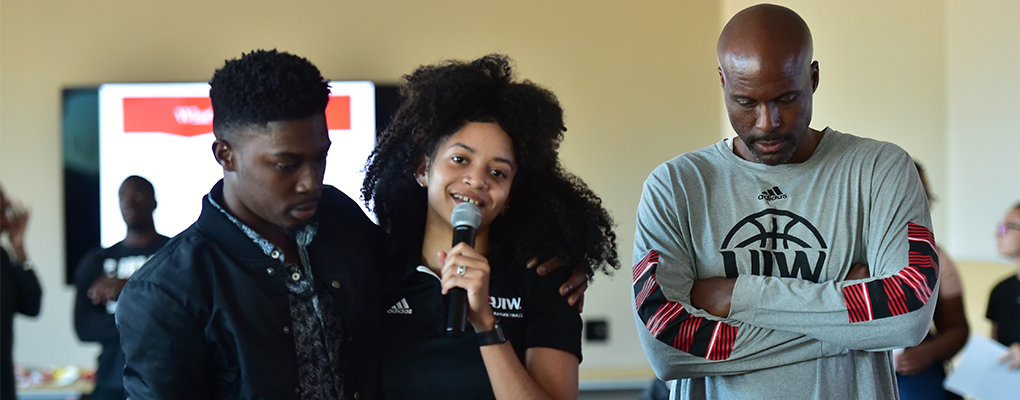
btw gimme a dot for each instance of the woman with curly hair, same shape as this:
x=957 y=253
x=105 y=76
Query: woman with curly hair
x=470 y=132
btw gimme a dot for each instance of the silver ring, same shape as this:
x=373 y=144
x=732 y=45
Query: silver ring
x=461 y=270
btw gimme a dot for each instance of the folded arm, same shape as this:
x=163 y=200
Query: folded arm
x=891 y=309
x=682 y=341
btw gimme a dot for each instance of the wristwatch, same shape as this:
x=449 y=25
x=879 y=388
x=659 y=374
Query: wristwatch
x=495 y=336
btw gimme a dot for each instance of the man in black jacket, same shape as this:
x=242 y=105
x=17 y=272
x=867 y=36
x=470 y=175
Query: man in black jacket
x=101 y=275
x=275 y=291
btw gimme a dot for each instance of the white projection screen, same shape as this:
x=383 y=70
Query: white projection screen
x=163 y=132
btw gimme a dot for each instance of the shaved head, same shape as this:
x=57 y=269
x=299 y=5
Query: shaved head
x=765 y=31
x=768 y=79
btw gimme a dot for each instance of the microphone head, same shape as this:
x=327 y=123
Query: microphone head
x=466 y=214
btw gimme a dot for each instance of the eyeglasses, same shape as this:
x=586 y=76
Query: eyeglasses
x=1007 y=225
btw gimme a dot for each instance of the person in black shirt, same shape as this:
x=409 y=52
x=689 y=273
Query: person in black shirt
x=471 y=132
x=21 y=290
x=1004 y=301
x=101 y=275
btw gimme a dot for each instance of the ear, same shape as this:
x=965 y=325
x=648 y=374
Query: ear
x=814 y=76
x=421 y=173
x=225 y=155
x=722 y=78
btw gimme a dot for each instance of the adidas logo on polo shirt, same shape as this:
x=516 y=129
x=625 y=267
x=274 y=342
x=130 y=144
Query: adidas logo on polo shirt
x=400 y=308
x=772 y=194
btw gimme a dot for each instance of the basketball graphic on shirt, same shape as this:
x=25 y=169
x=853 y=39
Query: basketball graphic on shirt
x=774 y=243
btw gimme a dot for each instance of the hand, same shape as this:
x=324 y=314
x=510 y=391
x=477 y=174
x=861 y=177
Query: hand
x=858 y=271
x=574 y=287
x=17 y=221
x=913 y=361
x=1012 y=357
x=713 y=295
x=105 y=289
x=475 y=281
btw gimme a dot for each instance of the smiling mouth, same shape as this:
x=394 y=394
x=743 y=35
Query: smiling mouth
x=467 y=200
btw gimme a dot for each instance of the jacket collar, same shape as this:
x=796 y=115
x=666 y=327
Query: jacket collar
x=218 y=227
x=303 y=236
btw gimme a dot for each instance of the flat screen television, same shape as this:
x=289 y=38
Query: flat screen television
x=163 y=132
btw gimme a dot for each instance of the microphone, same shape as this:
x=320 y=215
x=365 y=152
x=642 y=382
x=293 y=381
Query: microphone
x=465 y=218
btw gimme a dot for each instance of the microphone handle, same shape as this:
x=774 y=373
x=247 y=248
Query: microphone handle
x=456 y=311
x=464 y=233
x=456 y=317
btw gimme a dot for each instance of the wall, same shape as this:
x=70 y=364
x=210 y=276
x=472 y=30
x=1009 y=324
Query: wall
x=982 y=136
x=982 y=142
x=636 y=81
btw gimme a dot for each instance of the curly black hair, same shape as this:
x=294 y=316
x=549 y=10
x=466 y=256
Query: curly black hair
x=552 y=212
x=265 y=86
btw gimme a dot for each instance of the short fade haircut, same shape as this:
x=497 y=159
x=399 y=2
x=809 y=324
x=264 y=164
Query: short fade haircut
x=262 y=87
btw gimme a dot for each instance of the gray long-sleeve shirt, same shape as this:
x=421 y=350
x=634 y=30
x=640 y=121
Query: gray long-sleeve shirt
x=790 y=234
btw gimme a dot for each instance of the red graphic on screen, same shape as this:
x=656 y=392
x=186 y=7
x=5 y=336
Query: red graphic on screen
x=192 y=116
x=338 y=112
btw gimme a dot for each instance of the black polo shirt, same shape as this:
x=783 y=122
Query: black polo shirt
x=421 y=362
x=1004 y=309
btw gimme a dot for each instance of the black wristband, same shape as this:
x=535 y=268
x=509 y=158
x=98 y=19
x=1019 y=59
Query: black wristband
x=495 y=336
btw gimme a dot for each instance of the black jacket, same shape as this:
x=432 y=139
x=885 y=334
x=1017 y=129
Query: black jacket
x=204 y=318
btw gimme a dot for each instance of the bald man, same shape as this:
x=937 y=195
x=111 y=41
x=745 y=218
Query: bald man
x=785 y=262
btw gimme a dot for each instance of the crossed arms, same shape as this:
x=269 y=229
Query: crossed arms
x=694 y=322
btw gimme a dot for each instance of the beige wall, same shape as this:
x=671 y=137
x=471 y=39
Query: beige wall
x=637 y=80
x=982 y=134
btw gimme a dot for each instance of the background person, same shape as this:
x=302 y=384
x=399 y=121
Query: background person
x=1004 y=301
x=101 y=275
x=471 y=132
x=21 y=290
